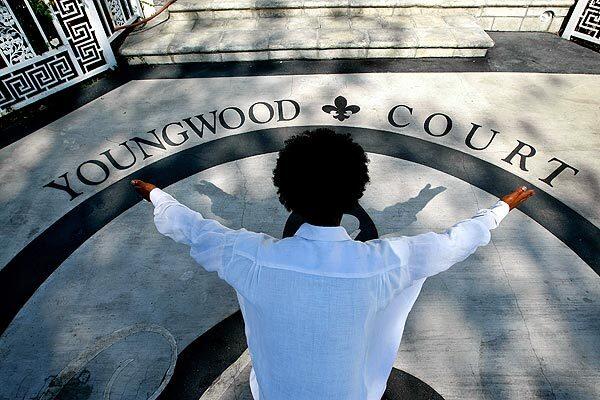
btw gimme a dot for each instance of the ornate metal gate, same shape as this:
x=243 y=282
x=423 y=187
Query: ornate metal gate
x=47 y=45
x=584 y=23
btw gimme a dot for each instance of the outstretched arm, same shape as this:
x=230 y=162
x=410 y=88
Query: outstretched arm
x=211 y=243
x=432 y=253
x=425 y=255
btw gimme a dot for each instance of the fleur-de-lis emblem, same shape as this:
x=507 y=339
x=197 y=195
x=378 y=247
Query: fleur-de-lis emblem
x=341 y=109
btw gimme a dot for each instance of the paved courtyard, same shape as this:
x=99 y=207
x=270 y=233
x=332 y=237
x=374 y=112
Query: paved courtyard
x=96 y=304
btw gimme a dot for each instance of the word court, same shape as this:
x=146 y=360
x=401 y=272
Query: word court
x=168 y=137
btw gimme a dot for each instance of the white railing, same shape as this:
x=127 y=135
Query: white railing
x=584 y=22
x=115 y=13
x=48 y=45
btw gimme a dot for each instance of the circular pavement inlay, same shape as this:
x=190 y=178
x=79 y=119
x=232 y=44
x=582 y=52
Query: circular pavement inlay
x=107 y=268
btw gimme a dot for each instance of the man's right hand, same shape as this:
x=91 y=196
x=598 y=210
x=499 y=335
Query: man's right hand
x=517 y=197
x=143 y=188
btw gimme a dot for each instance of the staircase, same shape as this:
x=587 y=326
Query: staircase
x=244 y=30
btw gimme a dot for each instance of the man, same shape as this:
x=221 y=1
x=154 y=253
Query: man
x=324 y=313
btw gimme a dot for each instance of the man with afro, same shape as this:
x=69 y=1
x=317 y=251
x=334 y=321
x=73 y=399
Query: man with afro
x=324 y=313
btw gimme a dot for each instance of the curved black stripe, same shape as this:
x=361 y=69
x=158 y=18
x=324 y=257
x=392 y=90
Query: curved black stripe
x=401 y=386
x=205 y=359
x=21 y=277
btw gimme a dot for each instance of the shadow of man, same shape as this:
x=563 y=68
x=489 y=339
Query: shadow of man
x=373 y=223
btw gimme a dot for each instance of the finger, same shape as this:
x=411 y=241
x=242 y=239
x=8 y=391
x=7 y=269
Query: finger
x=525 y=197
x=520 y=190
x=529 y=194
x=523 y=191
x=515 y=194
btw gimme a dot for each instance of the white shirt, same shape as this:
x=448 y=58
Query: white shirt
x=324 y=314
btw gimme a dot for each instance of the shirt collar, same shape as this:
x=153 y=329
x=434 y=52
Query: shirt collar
x=326 y=233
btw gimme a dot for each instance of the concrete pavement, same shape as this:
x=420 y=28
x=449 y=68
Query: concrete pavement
x=519 y=319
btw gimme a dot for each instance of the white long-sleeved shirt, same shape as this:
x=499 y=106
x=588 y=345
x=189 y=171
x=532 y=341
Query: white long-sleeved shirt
x=324 y=314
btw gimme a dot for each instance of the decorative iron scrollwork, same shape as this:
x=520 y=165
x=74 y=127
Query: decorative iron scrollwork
x=14 y=45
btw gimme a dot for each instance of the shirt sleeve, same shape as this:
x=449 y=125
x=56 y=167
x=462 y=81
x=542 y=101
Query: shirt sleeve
x=432 y=253
x=211 y=244
x=428 y=254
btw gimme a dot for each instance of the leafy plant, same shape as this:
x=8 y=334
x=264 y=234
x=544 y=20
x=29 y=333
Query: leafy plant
x=41 y=9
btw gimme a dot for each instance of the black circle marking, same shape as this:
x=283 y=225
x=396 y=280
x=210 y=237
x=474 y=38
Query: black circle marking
x=23 y=274
x=21 y=277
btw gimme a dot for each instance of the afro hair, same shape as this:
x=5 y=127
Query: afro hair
x=321 y=174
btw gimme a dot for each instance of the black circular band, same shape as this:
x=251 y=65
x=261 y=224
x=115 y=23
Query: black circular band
x=21 y=277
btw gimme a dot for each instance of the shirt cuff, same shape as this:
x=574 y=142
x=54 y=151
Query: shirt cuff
x=157 y=196
x=499 y=211
x=491 y=217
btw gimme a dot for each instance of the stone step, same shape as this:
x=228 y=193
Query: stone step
x=501 y=15
x=174 y=41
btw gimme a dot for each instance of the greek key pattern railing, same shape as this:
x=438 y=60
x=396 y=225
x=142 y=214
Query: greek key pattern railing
x=36 y=78
x=42 y=52
x=80 y=35
x=585 y=22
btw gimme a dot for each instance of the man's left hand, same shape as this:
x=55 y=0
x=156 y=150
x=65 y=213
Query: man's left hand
x=517 y=197
x=143 y=188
